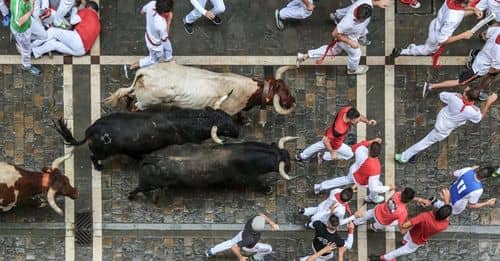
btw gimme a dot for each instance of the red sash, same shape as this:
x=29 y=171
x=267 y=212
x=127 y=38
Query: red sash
x=436 y=55
x=328 y=48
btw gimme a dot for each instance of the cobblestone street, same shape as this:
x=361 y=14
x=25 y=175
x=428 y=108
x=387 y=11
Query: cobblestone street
x=180 y=224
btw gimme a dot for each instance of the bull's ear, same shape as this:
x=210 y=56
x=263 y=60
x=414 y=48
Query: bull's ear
x=47 y=170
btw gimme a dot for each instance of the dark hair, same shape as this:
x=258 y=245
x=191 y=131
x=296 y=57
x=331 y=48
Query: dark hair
x=375 y=149
x=485 y=172
x=93 y=5
x=164 y=6
x=352 y=113
x=407 y=195
x=443 y=212
x=363 y=12
x=473 y=94
x=346 y=194
x=462 y=1
x=333 y=220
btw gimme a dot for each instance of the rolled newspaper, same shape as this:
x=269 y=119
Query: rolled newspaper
x=483 y=22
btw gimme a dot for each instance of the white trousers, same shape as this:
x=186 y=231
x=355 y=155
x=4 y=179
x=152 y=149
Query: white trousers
x=3 y=8
x=62 y=10
x=63 y=41
x=320 y=258
x=431 y=44
x=194 y=15
x=344 y=152
x=23 y=41
x=370 y=214
x=342 y=181
x=295 y=9
x=38 y=31
x=260 y=249
x=353 y=54
x=406 y=249
x=431 y=138
x=156 y=53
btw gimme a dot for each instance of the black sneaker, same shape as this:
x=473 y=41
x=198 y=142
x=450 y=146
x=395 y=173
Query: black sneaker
x=470 y=59
x=396 y=52
x=208 y=253
x=188 y=27
x=375 y=258
x=298 y=158
x=126 y=71
x=413 y=160
x=216 y=20
x=300 y=210
x=425 y=89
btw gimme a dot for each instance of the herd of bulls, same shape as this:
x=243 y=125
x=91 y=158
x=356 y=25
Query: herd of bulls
x=177 y=109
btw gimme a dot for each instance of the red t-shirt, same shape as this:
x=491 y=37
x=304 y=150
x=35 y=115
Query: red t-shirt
x=426 y=226
x=384 y=215
x=370 y=167
x=337 y=132
x=89 y=27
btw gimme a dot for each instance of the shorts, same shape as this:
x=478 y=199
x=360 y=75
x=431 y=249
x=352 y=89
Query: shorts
x=467 y=76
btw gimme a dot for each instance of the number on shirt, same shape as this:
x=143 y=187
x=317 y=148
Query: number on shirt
x=461 y=186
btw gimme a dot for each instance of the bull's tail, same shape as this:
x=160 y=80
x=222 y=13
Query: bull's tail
x=62 y=128
x=115 y=98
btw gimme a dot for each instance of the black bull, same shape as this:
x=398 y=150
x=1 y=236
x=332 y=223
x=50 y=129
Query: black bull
x=191 y=165
x=139 y=133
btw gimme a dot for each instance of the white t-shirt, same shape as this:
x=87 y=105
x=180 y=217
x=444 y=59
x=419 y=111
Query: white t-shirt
x=446 y=22
x=489 y=56
x=492 y=5
x=156 y=26
x=324 y=212
x=451 y=117
x=471 y=198
x=348 y=25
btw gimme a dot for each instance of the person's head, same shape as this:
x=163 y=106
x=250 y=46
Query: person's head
x=346 y=194
x=472 y=94
x=333 y=222
x=485 y=172
x=258 y=223
x=443 y=212
x=353 y=115
x=407 y=195
x=463 y=3
x=363 y=12
x=375 y=149
x=164 y=6
x=93 y=5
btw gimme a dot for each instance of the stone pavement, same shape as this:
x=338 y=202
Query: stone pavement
x=74 y=88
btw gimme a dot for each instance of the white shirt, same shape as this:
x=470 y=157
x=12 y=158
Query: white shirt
x=489 y=56
x=349 y=26
x=492 y=5
x=156 y=26
x=450 y=117
x=446 y=22
x=324 y=212
x=471 y=198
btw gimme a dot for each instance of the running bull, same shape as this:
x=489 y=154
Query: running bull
x=138 y=133
x=209 y=165
x=181 y=86
x=18 y=185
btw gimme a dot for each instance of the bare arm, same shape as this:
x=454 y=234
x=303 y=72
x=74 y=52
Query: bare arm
x=345 y=39
x=490 y=202
x=488 y=104
x=274 y=226
x=237 y=252
x=329 y=147
x=325 y=250
x=365 y=119
x=405 y=227
x=458 y=37
x=23 y=19
x=169 y=21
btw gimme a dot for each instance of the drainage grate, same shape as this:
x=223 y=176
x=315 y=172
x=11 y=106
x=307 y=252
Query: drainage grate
x=83 y=230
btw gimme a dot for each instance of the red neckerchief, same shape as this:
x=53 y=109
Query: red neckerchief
x=451 y=4
x=436 y=55
x=345 y=204
x=466 y=103
x=473 y=3
x=45 y=180
x=497 y=41
x=328 y=48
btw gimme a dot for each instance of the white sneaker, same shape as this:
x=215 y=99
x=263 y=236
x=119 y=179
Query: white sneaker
x=377 y=200
x=415 y=5
x=334 y=18
x=362 y=69
x=278 y=21
x=317 y=189
x=300 y=59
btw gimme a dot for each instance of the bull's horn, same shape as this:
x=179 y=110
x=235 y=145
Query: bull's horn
x=215 y=138
x=219 y=102
x=282 y=171
x=281 y=70
x=58 y=161
x=278 y=108
x=282 y=141
x=115 y=97
x=51 y=194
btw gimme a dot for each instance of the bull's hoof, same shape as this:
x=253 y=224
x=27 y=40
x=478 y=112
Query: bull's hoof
x=132 y=196
x=269 y=190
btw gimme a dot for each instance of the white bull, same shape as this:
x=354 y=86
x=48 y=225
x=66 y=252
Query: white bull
x=182 y=86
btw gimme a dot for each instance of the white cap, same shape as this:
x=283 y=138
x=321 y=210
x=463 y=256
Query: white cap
x=258 y=223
